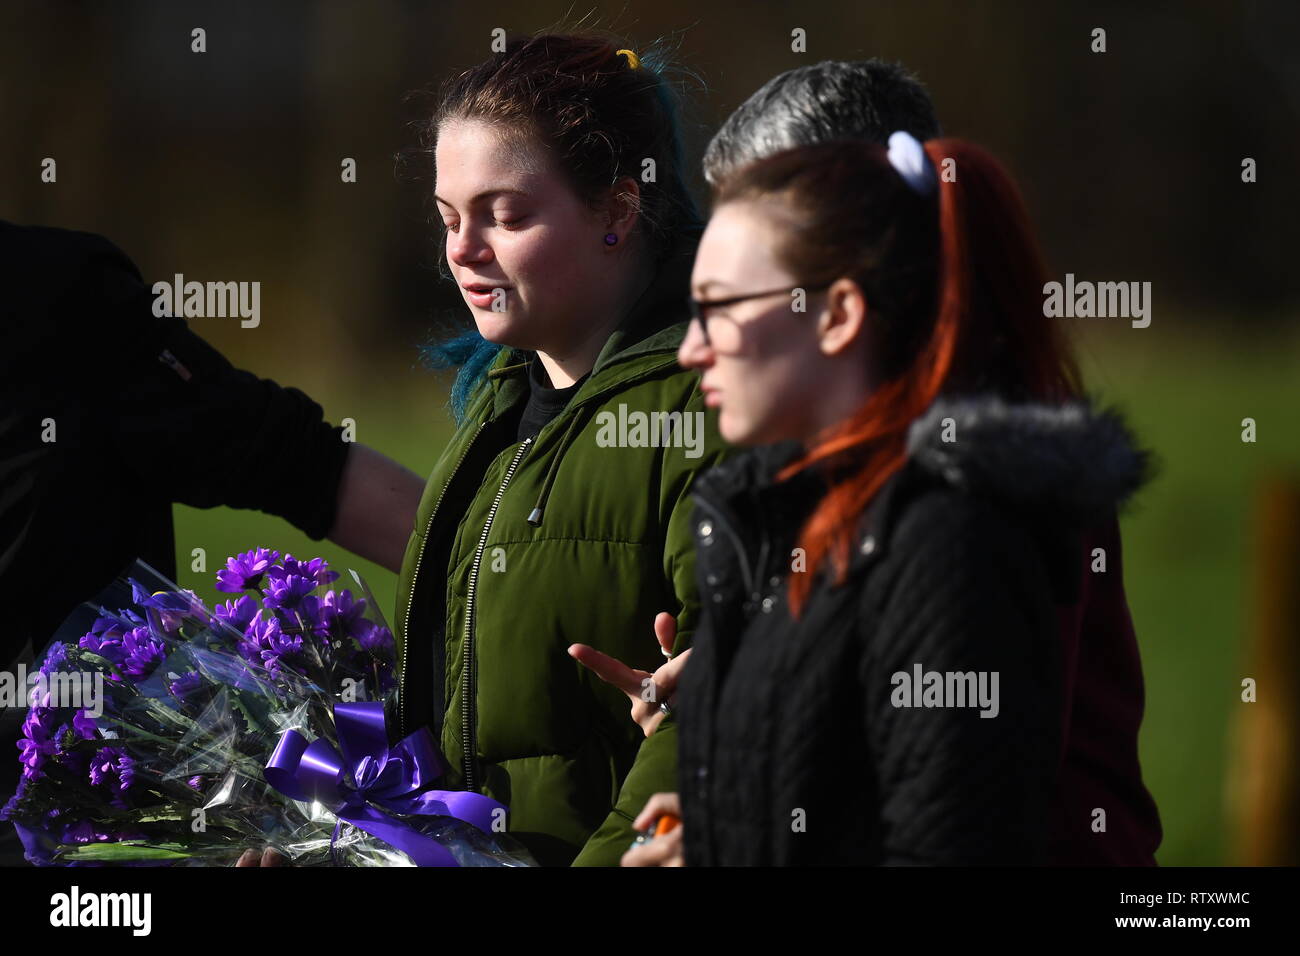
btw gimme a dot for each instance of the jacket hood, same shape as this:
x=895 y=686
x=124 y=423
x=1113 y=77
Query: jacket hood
x=1064 y=467
x=1072 y=460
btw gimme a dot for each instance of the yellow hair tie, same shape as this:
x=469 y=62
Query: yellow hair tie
x=633 y=61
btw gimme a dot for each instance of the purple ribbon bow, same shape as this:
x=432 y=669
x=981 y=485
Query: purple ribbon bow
x=370 y=775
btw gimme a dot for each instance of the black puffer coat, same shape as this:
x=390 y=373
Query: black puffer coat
x=806 y=743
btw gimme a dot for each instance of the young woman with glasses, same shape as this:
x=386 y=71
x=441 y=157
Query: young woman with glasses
x=883 y=673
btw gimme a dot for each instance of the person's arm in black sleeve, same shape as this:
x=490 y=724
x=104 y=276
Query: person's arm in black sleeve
x=204 y=433
x=964 y=592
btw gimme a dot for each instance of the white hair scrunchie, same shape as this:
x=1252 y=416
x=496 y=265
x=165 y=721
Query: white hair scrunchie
x=908 y=157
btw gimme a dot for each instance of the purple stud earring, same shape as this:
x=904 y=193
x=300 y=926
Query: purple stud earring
x=610 y=239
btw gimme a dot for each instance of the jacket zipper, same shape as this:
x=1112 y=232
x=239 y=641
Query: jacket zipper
x=415 y=576
x=410 y=600
x=467 y=691
x=742 y=559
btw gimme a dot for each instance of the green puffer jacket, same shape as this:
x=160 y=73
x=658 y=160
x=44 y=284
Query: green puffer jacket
x=579 y=535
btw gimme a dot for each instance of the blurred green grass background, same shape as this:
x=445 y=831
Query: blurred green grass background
x=1190 y=569
x=1187 y=539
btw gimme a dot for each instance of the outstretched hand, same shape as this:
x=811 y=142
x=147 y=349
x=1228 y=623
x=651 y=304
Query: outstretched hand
x=645 y=690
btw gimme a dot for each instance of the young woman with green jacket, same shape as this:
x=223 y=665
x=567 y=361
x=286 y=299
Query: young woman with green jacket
x=559 y=511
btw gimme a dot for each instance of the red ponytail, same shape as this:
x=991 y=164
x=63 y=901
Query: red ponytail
x=988 y=333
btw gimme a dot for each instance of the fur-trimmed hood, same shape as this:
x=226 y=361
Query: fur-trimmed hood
x=1064 y=466
x=1074 y=460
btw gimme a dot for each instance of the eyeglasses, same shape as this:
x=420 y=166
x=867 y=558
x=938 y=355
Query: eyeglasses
x=726 y=338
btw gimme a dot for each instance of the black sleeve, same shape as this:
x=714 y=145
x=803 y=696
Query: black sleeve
x=190 y=426
x=962 y=591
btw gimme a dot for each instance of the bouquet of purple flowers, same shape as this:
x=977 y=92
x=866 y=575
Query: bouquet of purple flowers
x=168 y=734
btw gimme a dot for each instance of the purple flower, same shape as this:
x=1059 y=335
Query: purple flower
x=170 y=607
x=106 y=643
x=142 y=652
x=109 y=626
x=266 y=643
x=112 y=767
x=185 y=685
x=56 y=658
x=39 y=741
x=250 y=647
x=317 y=569
x=308 y=617
x=84 y=832
x=238 y=614
x=83 y=725
x=286 y=592
x=245 y=571
x=341 y=610
x=376 y=640
x=195 y=782
x=183 y=601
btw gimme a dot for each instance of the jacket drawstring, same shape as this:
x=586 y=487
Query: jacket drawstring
x=505 y=369
x=535 y=516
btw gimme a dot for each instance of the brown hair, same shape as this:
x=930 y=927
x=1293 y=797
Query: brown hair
x=600 y=118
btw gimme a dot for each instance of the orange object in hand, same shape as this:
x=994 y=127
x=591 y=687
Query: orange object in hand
x=666 y=824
